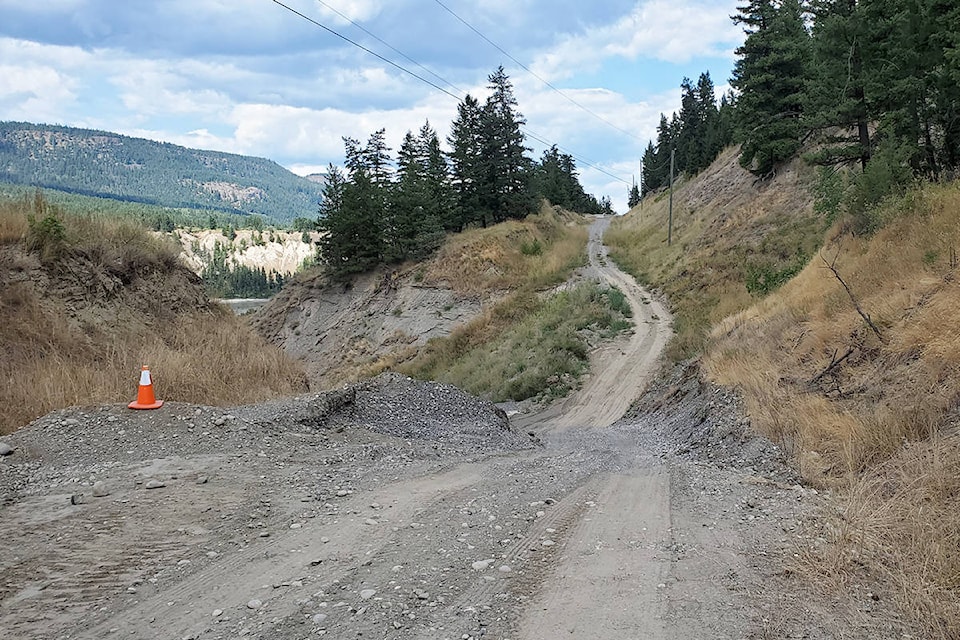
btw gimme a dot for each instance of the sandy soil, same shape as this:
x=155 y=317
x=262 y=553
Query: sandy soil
x=407 y=510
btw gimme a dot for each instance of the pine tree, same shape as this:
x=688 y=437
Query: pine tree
x=633 y=198
x=466 y=160
x=769 y=74
x=835 y=103
x=506 y=171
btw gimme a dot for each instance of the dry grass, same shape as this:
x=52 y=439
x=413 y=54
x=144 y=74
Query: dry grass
x=77 y=323
x=534 y=253
x=880 y=424
x=726 y=228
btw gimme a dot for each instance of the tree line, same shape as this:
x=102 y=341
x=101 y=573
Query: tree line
x=696 y=135
x=380 y=211
x=872 y=83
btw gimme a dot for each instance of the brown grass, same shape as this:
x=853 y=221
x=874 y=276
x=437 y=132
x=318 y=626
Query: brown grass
x=77 y=324
x=882 y=424
x=535 y=253
x=725 y=225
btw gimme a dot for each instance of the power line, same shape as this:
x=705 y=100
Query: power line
x=360 y=46
x=528 y=70
x=391 y=47
x=424 y=80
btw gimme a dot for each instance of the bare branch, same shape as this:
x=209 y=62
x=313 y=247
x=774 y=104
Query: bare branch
x=831 y=265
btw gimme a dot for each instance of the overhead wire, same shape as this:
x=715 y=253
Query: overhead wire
x=526 y=130
x=535 y=75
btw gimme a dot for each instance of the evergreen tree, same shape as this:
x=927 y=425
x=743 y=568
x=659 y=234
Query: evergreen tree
x=505 y=188
x=633 y=199
x=466 y=159
x=649 y=178
x=835 y=99
x=769 y=74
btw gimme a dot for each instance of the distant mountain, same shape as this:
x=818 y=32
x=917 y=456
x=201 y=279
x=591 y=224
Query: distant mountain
x=104 y=164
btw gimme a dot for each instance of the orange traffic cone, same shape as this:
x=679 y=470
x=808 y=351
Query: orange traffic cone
x=145 y=398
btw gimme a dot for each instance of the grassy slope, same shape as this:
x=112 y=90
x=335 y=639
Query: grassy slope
x=728 y=232
x=79 y=316
x=526 y=342
x=880 y=428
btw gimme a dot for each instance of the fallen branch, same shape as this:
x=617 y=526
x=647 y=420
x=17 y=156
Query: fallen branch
x=866 y=318
x=834 y=363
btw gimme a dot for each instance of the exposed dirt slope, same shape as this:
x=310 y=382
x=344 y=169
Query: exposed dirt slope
x=340 y=330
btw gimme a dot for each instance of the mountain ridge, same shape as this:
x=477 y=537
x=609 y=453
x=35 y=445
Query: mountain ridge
x=120 y=167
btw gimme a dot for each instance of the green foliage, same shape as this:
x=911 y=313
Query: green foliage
x=225 y=280
x=618 y=302
x=770 y=74
x=99 y=163
x=46 y=236
x=763 y=278
x=698 y=133
x=887 y=174
x=543 y=353
x=531 y=248
x=828 y=193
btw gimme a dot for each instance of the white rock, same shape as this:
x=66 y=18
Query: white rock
x=254 y=604
x=100 y=489
x=5 y=449
x=217 y=613
x=548 y=543
x=505 y=569
x=481 y=565
x=154 y=484
x=366 y=594
x=319 y=618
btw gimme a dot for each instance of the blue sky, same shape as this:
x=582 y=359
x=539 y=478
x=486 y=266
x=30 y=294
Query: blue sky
x=250 y=77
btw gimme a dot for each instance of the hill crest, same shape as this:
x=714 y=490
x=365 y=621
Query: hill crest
x=112 y=165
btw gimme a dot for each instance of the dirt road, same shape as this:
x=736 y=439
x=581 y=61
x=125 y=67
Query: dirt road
x=400 y=509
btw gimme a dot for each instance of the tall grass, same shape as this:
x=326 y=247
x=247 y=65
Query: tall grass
x=82 y=310
x=535 y=253
x=881 y=424
x=525 y=346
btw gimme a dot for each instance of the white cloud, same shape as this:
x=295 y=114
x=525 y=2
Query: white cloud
x=668 y=30
x=34 y=92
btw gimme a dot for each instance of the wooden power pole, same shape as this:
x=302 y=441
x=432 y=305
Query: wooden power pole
x=670 y=223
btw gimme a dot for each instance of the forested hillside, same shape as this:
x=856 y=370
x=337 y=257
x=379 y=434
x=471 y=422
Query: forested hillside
x=100 y=163
x=868 y=85
x=375 y=213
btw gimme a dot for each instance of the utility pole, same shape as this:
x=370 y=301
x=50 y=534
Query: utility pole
x=670 y=223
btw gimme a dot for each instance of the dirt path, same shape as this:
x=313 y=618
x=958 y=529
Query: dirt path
x=407 y=511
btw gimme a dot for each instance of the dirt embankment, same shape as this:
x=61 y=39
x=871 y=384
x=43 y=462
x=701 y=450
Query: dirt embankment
x=337 y=330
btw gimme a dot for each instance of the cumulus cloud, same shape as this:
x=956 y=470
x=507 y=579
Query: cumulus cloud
x=667 y=30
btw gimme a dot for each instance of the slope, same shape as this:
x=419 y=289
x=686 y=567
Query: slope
x=843 y=347
x=100 y=163
x=85 y=301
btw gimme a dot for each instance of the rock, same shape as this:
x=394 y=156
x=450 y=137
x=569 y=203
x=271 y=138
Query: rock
x=5 y=449
x=548 y=543
x=324 y=539
x=254 y=604
x=77 y=498
x=505 y=569
x=217 y=613
x=421 y=594
x=319 y=618
x=370 y=521
x=481 y=565
x=100 y=489
x=366 y=594
x=154 y=484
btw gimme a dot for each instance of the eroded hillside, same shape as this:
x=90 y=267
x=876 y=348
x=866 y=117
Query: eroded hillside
x=344 y=330
x=86 y=301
